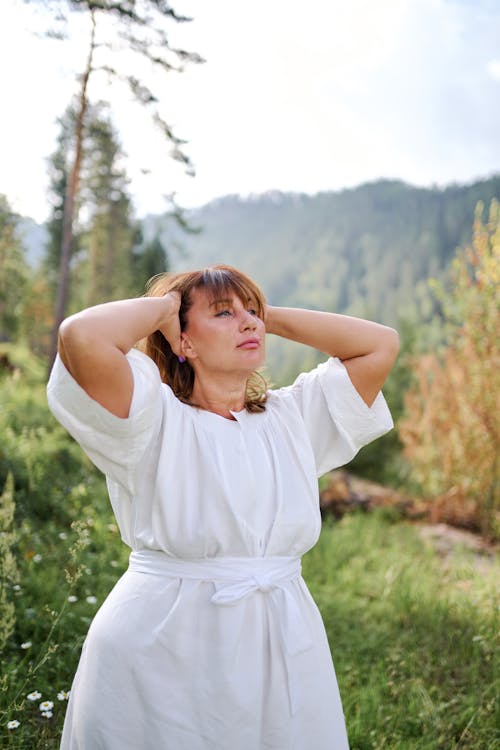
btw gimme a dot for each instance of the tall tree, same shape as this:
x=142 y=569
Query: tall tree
x=141 y=29
x=112 y=232
x=149 y=259
x=58 y=169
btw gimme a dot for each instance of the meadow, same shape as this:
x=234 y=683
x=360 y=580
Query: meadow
x=412 y=632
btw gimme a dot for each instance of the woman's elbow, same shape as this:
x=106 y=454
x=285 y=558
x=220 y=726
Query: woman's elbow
x=74 y=331
x=390 y=344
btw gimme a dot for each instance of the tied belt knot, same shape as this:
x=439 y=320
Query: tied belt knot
x=235 y=579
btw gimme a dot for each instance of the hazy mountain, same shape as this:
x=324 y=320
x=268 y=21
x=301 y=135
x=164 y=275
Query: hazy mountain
x=365 y=251
x=33 y=237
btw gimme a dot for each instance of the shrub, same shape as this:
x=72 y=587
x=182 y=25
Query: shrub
x=451 y=427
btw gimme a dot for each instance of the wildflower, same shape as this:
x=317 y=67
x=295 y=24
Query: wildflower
x=16 y=587
x=46 y=706
x=72 y=598
x=13 y=724
x=63 y=695
x=26 y=644
x=63 y=535
x=47 y=714
x=114 y=563
x=34 y=696
x=91 y=599
x=37 y=558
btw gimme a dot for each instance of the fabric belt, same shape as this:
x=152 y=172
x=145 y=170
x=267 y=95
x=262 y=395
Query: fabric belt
x=236 y=578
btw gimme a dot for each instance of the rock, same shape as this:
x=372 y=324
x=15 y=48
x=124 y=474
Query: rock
x=343 y=493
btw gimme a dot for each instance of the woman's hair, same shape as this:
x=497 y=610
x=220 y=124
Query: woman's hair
x=218 y=281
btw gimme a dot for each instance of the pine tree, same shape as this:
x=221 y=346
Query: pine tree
x=112 y=231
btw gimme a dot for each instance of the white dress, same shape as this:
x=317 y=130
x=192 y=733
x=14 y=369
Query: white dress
x=211 y=640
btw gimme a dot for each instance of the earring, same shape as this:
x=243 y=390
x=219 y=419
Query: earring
x=181 y=359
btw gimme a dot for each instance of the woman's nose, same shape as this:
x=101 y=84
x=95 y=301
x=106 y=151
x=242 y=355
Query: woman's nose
x=248 y=321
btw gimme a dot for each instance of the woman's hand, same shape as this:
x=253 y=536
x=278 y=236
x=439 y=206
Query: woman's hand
x=171 y=326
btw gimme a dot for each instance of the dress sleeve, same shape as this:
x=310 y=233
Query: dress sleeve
x=113 y=444
x=338 y=422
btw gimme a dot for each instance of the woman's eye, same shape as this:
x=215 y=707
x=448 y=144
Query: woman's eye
x=252 y=311
x=223 y=312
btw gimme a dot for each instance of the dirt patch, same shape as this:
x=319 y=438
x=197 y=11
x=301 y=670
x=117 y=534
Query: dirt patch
x=446 y=539
x=344 y=493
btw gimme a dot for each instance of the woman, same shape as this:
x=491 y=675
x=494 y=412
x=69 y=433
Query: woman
x=210 y=640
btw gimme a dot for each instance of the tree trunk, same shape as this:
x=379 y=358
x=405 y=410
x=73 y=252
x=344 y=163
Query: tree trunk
x=69 y=204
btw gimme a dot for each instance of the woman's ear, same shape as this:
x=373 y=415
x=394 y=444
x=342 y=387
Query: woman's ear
x=187 y=349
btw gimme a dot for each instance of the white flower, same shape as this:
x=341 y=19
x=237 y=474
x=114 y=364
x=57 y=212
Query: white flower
x=47 y=714
x=91 y=599
x=63 y=695
x=37 y=558
x=72 y=598
x=114 y=563
x=46 y=706
x=26 y=644
x=63 y=535
x=13 y=724
x=34 y=696
x=16 y=587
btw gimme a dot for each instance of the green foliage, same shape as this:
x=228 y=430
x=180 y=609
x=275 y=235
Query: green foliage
x=9 y=574
x=46 y=466
x=13 y=274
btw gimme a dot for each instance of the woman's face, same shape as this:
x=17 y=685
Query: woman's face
x=223 y=335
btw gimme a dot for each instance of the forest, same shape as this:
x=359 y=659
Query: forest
x=412 y=631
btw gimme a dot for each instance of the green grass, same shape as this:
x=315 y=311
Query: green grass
x=412 y=636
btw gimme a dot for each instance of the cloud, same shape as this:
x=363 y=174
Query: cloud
x=293 y=96
x=493 y=68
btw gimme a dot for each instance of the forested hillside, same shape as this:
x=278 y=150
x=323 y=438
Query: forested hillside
x=364 y=251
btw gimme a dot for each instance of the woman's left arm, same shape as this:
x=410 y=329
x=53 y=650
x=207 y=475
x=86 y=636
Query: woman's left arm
x=368 y=350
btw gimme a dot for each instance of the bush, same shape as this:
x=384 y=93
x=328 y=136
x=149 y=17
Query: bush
x=451 y=428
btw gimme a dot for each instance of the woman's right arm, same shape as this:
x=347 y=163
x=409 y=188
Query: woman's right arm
x=93 y=344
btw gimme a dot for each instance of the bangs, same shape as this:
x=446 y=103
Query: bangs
x=221 y=282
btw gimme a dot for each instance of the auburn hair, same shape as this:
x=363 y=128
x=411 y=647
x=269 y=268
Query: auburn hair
x=217 y=281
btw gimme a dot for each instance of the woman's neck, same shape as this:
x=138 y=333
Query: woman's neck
x=220 y=396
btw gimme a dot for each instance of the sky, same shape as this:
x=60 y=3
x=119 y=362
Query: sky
x=293 y=96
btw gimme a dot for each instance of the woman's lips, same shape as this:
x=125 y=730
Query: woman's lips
x=249 y=344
